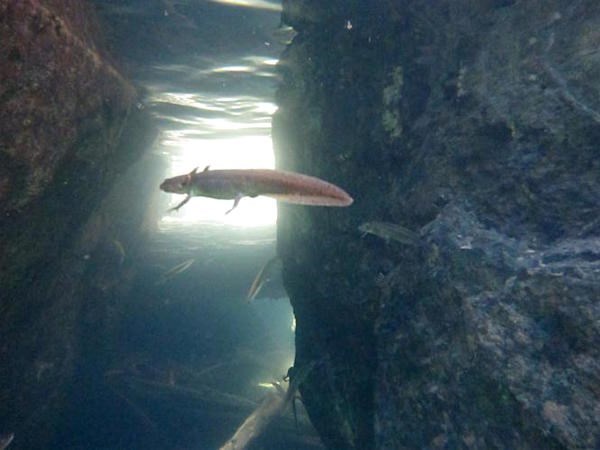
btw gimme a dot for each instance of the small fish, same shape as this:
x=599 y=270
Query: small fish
x=179 y=268
x=235 y=184
x=5 y=440
x=390 y=231
x=284 y=35
x=263 y=275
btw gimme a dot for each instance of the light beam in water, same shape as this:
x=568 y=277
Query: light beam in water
x=258 y=4
x=242 y=152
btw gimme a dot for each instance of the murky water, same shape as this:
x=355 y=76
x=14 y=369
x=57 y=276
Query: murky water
x=210 y=87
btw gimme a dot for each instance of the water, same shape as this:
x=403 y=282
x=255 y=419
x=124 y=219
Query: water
x=194 y=357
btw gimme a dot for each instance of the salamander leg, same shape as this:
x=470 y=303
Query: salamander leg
x=176 y=208
x=236 y=201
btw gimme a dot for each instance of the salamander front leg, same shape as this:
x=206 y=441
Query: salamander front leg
x=176 y=208
x=236 y=201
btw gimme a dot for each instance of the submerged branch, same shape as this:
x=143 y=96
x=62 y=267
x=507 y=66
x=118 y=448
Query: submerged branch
x=273 y=406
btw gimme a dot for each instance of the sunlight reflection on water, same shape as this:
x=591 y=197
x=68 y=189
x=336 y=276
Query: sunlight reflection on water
x=258 y=4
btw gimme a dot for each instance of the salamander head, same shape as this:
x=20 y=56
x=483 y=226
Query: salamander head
x=180 y=184
x=176 y=185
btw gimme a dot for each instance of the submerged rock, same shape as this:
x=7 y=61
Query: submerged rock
x=476 y=123
x=61 y=96
x=63 y=108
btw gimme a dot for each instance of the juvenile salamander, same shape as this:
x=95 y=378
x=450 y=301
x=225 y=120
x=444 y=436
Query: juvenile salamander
x=234 y=184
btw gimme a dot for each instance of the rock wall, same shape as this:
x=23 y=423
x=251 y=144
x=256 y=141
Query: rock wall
x=476 y=124
x=62 y=111
x=63 y=108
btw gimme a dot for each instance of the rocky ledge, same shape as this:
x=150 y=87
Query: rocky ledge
x=475 y=124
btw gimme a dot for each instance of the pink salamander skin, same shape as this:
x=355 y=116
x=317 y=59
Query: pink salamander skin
x=284 y=186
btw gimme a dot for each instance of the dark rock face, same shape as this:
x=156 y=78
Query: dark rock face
x=52 y=73
x=63 y=108
x=476 y=123
x=61 y=114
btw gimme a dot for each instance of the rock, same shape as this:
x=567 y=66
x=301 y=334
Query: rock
x=63 y=108
x=477 y=124
x=58 y=92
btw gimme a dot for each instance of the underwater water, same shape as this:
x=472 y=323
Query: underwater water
x=187 y=357
x=197 y=356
